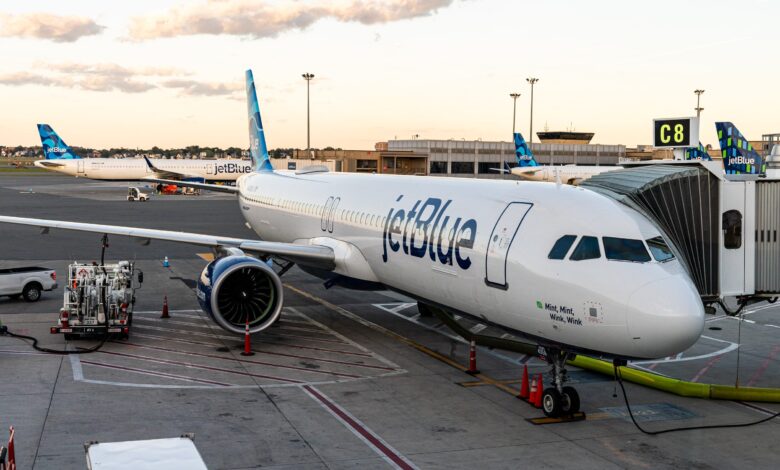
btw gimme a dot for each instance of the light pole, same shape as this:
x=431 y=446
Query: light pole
x=514 y=96
x=308 y=77
x=698 y=97
x=532 y=81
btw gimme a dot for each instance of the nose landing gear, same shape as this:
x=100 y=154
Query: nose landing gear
x=559 y=400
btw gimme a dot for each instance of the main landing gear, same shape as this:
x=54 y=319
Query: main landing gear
x=559 y=400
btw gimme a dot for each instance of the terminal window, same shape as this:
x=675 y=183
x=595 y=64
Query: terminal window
x=438 y=167
x=462 y=168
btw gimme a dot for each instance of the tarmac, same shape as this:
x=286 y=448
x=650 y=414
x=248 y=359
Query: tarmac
x=346 y=380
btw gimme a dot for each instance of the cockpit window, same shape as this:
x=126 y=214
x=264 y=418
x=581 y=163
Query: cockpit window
x=625 y=249
x=659 y=249
x=587 y=248
x=561 y=247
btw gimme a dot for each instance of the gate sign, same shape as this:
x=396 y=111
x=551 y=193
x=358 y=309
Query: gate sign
x=676 y=132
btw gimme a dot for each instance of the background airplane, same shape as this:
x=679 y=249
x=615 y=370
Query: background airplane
x=61 y=158
x=566 y=268
x=739 y=156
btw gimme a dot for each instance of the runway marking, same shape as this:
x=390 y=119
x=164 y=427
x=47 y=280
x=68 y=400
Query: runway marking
x=232 y=338
x=210 y=326
x=403 y=339
x=190 y=365
x=764 y=365
x=154 y=373
x=363 y=432
x=731 y=347
x=248 y=361
x=706 y=367
x=270 y=353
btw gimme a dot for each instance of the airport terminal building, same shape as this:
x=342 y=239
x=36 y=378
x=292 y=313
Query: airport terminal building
x=468 y=158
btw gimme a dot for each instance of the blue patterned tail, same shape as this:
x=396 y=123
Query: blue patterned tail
x=54 y=148
x=738 y=154
x=523 y=152
x=697 y=153
x=257 y=147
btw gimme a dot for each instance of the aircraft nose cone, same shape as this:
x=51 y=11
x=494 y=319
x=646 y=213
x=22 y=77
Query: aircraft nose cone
x=666 y=317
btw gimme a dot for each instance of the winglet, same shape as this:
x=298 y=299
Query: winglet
x=257 y=147
x=150 y=165
x=523 y=152
x=738 y=154
x=54 y=148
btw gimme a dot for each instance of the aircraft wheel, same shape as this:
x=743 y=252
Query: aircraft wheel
x=570 y=401
x=552 y=403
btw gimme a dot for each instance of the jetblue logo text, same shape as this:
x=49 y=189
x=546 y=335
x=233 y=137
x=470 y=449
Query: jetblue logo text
x=232 y=168
x=425 y=230
x=740 y=160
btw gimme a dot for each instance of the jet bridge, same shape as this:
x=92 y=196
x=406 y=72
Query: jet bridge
x=723 y=227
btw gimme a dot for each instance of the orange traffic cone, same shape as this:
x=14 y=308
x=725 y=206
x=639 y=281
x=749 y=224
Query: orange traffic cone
x=472 y=358
x=247 y=342
x=532 y=393
x=524 y=393
x=165 y=308
x=539 y=392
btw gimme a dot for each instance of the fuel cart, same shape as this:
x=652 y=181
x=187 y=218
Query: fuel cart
x=98 y=297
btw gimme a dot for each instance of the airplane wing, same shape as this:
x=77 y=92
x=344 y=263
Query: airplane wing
x=50 y=163
x=167 y=174
x=310 y=255
x=191 y=184
x=526 y=171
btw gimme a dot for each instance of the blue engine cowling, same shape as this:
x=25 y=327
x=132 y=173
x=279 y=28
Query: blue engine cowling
x=234 y=289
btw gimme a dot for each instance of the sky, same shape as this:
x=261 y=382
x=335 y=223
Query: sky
x=170 y=72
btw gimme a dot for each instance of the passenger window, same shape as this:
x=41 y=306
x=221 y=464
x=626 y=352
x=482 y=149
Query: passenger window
x=561 y=247
x=625 y=249
x=732 y=229
x=659 y=249
x=587 y=248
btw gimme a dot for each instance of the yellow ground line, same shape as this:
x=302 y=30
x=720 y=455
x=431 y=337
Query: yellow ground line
x=207 y=256
x=403 y=339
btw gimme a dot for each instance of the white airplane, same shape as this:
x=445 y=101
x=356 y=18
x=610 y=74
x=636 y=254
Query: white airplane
x=528 y=169
x=61 y=158
x=567 y=268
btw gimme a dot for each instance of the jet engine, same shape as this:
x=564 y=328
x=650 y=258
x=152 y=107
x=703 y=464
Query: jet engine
x=237 y=289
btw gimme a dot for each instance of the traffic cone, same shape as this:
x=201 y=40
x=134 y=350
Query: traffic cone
x=532 y=394
x=524 y=393
x=165 y=308
x=247 y=342
x=472 y=358
x=166 y=263
x=539 y=392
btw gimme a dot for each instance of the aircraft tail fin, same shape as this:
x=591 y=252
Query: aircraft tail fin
x=54 y=148
x=257 y=147
x=523 y=152
x=697 y=153
x=739 y=156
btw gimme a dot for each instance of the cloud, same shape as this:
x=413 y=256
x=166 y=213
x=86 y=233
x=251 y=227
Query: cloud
x=114 y=77
x=45 y=26
x=261 y=19
x=195 y=88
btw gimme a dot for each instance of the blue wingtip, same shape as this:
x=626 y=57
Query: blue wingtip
x=257 y=146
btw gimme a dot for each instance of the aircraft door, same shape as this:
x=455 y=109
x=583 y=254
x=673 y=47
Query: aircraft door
x=504 y=233
x=332 y=214
x=326 y=214
x=80 y=167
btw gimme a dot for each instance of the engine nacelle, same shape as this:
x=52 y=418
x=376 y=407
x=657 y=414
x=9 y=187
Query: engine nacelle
x=234 y=289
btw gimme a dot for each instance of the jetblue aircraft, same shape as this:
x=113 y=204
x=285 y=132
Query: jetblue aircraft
x=61 y=158
x=567 y=268
x=529 y=169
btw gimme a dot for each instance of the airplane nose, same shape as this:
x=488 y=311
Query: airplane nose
x=666 y=317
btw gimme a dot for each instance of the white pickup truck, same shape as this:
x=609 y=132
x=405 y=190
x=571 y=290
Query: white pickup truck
x=27 y=282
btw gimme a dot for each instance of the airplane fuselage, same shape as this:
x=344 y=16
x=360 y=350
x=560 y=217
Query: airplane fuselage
x=129 y=169
x=568 y=174
x=481 y=248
